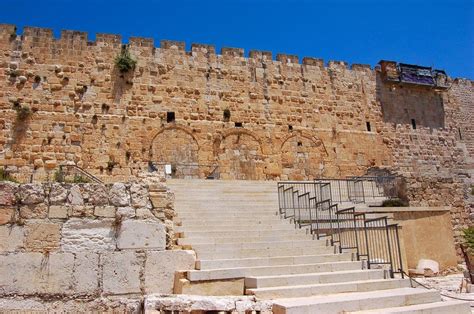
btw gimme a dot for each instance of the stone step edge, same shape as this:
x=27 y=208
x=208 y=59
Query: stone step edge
x=318 y=274
x=309 y=286
x=413 y=309
x=281 y=305
x=189 y=272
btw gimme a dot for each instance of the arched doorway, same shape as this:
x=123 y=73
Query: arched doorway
x=302 y=158
x=176 y=147
x=240 y=157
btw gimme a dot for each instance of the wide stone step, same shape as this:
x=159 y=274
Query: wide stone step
x=247 y=233
x=241 y=272
x=446 y=307
x=330 y=288
x=308 y=244
x=250 y=253
x=258 y=220
x=231 y=216
x=223 y=227
x=316 y=278
x=271 y=261
x=358 y=301
x=234 y=240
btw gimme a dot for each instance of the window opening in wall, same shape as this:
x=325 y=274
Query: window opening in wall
x=170 y=117
x=368 y=126
x=300 y=143
x=290 y=127
x=413 y=124
x=238 y=124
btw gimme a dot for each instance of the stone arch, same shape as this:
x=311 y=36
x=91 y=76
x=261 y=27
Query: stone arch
x=302 y=157
x=178 y=147
x=240 y=156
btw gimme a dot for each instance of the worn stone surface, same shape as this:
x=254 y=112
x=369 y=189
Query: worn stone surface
x=40 y=273
x=58 y=211
x=75 y=196
x=58 y=194
x=118 y=195
x=34 y=211
x=188 y=303
x=142 y=234
x=139 y=195
x=160 y=268
x=6 y=214
x=11 y=238
x=87 y=235
x=31 y=194
x=7 y=193
x=97 y=194
x=104 y=211
x=121 y=272
x=42 y=237
x=95 y=305
x=126 y=212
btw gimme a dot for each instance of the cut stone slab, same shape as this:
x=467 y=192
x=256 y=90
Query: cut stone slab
x=160 y=269
x=142 y=234
x=11 y=238
x=121 y=272
x=87 y=235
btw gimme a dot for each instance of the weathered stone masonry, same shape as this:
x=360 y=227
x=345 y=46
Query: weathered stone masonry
x=299 y=121
x=87 y=241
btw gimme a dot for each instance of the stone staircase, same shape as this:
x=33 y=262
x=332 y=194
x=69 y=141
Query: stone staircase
x=243 y=247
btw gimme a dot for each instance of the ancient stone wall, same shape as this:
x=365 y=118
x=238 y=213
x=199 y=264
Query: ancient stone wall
x=87 y=241
x=285 y=119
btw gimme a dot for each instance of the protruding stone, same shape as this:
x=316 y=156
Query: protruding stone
x=160 y=269
x=75 y=196
x=118 y=195
x=31 y=194
x=7 y=193
x=58 y=194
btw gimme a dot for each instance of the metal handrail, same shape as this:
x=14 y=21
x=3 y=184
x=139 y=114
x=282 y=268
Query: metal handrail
x=373 y=240
x=82 y=172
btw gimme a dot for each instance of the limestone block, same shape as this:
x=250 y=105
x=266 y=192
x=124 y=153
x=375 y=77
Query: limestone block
x=126 y=212
x=40 y=274
x=96 y=194
x=118 y=195
x=144 y=213
x=6 y=214
x=81 y=211
x=86 y=273
x=58 y=211
x=160 y=268
x=161 y=199
x=41 y=236
x=34 y=211
x=87 y=235
x=7 y=193
x=31 y=194
x=75 y=196
x=121 y=272
x=11 y=238
x=142 y=234
x=57 y=194
x=139 y=195
x=104 y=211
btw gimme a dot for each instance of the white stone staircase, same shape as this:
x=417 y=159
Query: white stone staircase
x=243 y=247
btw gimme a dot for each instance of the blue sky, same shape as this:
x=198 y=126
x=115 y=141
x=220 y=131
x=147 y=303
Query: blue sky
x=432 y=33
